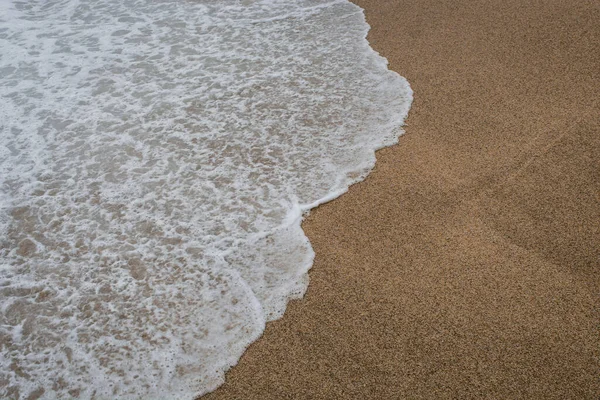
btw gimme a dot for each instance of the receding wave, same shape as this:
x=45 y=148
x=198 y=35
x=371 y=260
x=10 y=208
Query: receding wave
x=155 y=163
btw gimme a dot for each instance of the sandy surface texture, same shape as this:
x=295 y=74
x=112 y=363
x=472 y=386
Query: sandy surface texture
x=467 y=265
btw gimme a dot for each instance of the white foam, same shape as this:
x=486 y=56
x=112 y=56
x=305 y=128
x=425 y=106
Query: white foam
x=156 y=160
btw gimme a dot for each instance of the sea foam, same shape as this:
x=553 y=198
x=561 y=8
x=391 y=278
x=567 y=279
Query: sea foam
x=156 y=160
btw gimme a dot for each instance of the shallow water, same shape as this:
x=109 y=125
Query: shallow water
x=156 y=159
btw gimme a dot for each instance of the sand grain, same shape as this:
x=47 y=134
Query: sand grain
x=467 y=265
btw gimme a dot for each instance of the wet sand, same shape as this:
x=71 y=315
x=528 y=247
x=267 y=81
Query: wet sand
x=467 y=265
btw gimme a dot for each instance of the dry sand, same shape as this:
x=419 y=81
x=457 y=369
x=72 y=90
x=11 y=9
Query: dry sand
x=467 y=265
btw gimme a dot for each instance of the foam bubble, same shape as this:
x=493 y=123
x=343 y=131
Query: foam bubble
x=156 y=160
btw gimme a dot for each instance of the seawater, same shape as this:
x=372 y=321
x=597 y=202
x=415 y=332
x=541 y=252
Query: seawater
x=156 y=160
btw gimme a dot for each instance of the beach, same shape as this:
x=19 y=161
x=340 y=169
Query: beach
x=467 y=264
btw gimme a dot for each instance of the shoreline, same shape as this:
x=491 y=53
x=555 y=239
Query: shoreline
x=466 y=264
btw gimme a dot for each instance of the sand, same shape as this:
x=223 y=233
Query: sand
x=467 y=265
